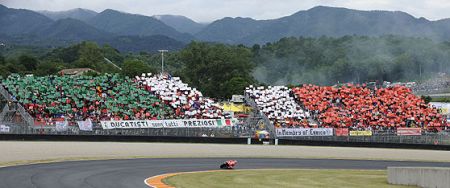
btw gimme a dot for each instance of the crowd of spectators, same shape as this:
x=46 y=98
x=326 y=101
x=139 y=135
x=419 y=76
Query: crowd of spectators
x=360 y=107
x=114 y=97
x=279 y=106
x=186 y=101
x=106 y=97
x=437 y=84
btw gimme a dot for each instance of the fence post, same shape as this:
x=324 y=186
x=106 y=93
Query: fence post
x=249 y=141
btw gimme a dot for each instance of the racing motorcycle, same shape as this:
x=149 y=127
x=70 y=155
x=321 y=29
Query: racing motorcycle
x=228 y=164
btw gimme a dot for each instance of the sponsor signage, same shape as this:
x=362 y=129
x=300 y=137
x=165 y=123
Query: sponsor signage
x=175 y=123
x=304 y=132
x=401 y=131
x=360 y=133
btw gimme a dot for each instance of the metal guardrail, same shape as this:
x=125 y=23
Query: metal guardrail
x=25 y=115
x=270 y=127
x=442 y=138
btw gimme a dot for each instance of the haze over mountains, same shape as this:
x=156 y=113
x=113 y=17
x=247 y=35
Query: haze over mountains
x=133 y=32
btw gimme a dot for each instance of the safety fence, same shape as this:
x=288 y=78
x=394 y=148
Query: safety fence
x=236 y=131
x=425 y=139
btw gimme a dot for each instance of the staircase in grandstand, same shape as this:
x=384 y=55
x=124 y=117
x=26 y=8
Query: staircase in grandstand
x=11 y=108
x=258 y=118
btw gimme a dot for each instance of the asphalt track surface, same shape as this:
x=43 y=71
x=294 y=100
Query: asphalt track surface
x=131 y=173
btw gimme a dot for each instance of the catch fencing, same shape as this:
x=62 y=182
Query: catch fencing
x=237 y=131
x=442 y=138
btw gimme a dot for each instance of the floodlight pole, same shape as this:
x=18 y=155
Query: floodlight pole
x=162 y=60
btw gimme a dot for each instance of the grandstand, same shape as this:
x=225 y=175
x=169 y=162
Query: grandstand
x=111 y=97
x=187 y=102
x=279 y=106
x=106 y=97
x=358 y=107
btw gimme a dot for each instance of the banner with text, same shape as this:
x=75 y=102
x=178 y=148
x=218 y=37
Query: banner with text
x=304 y=132
x=174 y=123
x=360 y=133
x=409 y=131
x=4 y=129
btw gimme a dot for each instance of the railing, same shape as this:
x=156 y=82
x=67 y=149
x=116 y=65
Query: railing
x=430 y=138
x=270 y=127
x=223 y=132
x=25 y=115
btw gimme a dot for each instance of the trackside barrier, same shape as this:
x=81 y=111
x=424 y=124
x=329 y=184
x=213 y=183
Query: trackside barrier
x=128 y=138
x=345 y=143
x=181 y=139
x=428 y=177
x=431 y=139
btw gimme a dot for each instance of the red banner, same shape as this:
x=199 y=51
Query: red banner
x=341 y=132
x=409 y=131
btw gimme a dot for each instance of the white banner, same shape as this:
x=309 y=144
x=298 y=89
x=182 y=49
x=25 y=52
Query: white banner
x=85 y=125
x=304 y=132
x=175 y=123
x=4 y=129
x=61 y=126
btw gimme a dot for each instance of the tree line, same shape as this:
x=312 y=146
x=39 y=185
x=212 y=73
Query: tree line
x=220 y=70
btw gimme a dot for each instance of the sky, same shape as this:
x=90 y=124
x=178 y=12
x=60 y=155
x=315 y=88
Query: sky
x=210 y=10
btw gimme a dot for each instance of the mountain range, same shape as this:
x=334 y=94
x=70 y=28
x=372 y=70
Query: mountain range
x=173 y=32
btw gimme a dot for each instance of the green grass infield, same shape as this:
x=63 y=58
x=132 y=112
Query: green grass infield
x=282 y=178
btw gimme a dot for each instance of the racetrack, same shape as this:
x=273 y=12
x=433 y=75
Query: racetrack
x=131 y=173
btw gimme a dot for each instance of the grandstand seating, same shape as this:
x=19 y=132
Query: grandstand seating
x=186 y=101
x=113 y=97
x=103 y=97
x=279 y=106
x=357 y=106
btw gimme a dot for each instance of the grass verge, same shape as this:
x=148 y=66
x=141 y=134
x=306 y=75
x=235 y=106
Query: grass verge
x=305 y=178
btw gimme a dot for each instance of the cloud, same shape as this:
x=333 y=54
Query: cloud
x=209 y=10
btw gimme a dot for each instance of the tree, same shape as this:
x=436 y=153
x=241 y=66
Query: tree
x=426 y=99
x=133 y=68
x=49 y=67
x=212 y=67
x=236 y=86
x=30 y=63
x=112 y=54
x=90 y=56
x=2 y=60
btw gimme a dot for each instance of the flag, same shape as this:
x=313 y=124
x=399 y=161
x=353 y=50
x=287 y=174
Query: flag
x=61 y=126
x=223 y=122
x=85 y=125
x=99 y=91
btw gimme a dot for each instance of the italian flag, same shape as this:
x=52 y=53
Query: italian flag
x=224 y=122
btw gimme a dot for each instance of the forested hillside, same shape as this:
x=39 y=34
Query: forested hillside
x=328 y=60
x=220 y=70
